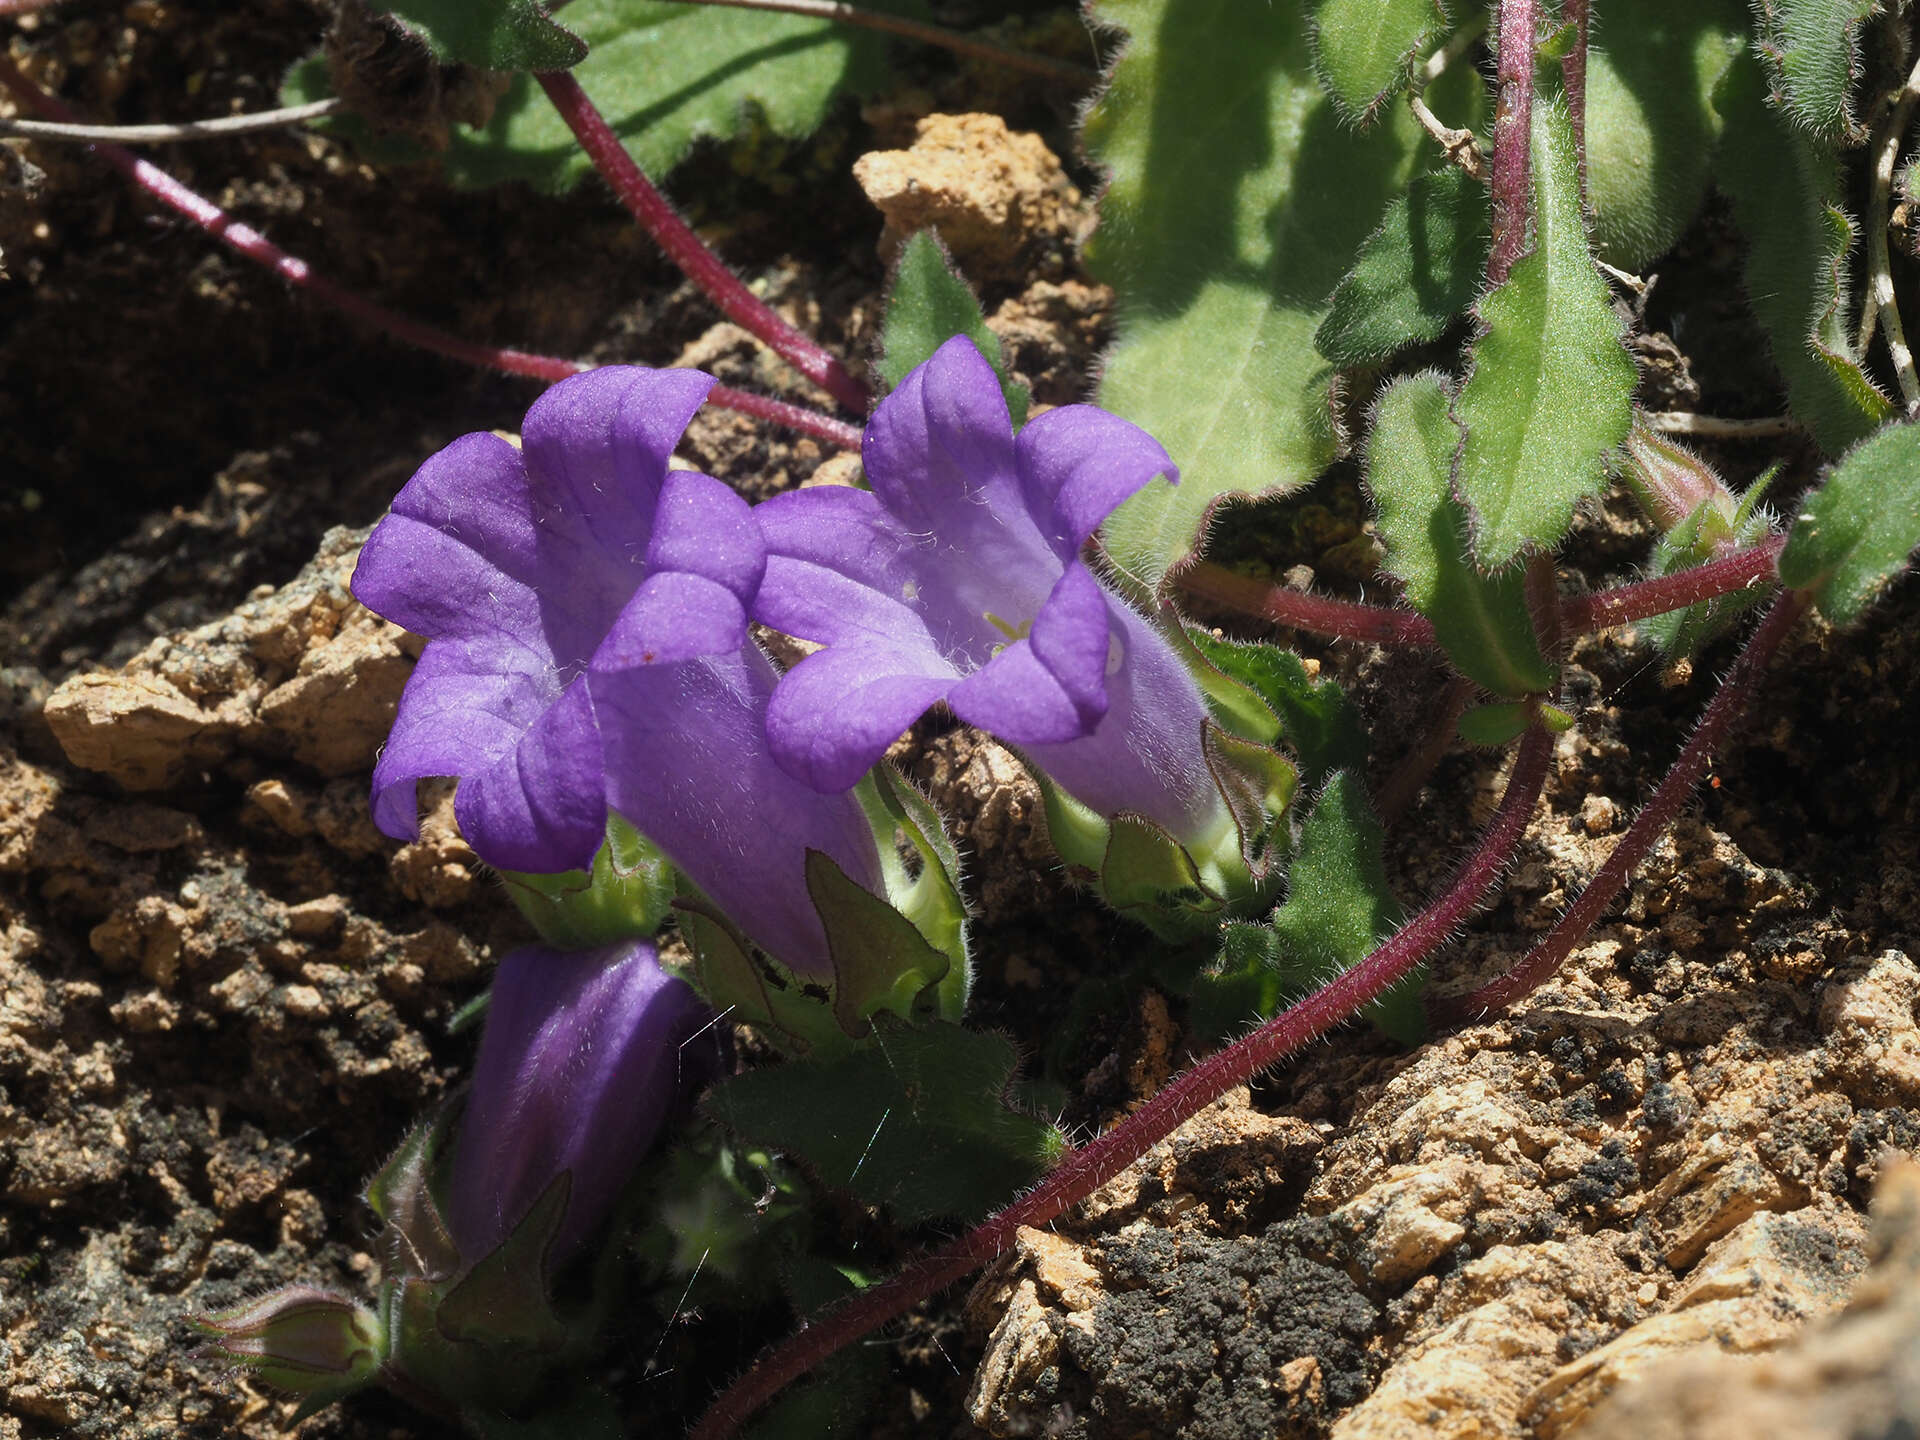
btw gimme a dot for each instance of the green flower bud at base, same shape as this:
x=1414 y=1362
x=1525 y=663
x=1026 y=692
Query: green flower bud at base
x=301 y=1340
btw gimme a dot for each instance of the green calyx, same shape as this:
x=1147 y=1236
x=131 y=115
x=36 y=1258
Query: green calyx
x=626 y=896
x=904 y=953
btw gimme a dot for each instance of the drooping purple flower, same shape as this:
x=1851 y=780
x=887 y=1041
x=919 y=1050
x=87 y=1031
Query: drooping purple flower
x=959 y=578
x=580 y=1064
x=527 y=571
x=514 y=564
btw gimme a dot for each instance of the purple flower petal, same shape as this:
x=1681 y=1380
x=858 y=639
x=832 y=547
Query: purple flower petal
x=601 y=441
x=942 y=441
x=812 y=602
x=688 y=765
x=674 y=617
x=542 y=806
x=1050 y=686
x=1078 y=464
x=513 y=565
x=837 y=711
x=835 y=526
x=701 y=527
x=579 y=1065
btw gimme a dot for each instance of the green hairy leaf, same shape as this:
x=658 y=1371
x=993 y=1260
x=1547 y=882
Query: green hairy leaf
x=1364 y=49
x=1414 y=275
x=1552 y=387
x=1812 y=52
x=1785 y=193
x=1236 y=200
x=1338 y=910
x=1855 y=533
x=917 y=1121
x=1651 y=125
x=927 y=306
x=1481 y=621
x=1315 y=719
x=665 y=75
x=493 y=34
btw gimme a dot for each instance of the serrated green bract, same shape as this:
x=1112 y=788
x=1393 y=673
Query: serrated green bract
x=1856 y=532
x=1363 y=49
x=1414 y=275
x=1812 y=49
x=1237 y=199
x=1651 y=125
x=1337 y=912
x=665 y=75
x=493 y=34
x=1314 y=717
x=1552 y=387
x=927 y=305
x=1481 y=621
x=918 y=1122
x=1784 y=189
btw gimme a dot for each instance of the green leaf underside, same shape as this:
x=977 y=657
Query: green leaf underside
x=665 y=75
x=1855 y=533
x=1414 y=275
x=928 y=305
x=1363 y=49
x=1811 y=49
x=493 y=34
x=1481 y=621
x=1236 y=199
x=1784 y=190
x=1552 y=387
x=918 y=1121
x=1317 y=721
x=1651 y=125
x=1337 y=912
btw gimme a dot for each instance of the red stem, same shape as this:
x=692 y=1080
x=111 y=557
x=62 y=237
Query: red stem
x=1579 y=614
x=1087 y=1169
x=1299 y=610
x=659 y=219
x=1573 y=71
x=1510 y=175
x=1626 y=603
x=244 y=240
x=1727 y=704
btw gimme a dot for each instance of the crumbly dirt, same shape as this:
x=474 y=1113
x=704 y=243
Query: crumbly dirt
x=1635 y=1206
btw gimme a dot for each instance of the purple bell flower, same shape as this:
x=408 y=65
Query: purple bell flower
x=959 y=578
x=581 y=1061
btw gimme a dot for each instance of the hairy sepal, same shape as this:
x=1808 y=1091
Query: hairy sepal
x=1263 y=693
x=628 y=894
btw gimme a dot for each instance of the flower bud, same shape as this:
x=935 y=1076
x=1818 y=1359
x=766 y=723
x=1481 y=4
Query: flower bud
x=302 y=1340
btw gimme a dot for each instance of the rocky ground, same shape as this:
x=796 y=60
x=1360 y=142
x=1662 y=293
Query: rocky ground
x=1636 y=1206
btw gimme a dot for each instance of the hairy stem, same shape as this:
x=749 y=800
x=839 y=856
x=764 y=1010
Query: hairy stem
x=1579 y=614
x=1626 y=603
x=1880 y=304
x=1087 y=1169
x=226 y=125
x=660 y=220
x=244 y=240
x=1726 y=706
x=1573 y=71
x=1063 y=70
x=1300 y=610
x=1512 y=178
